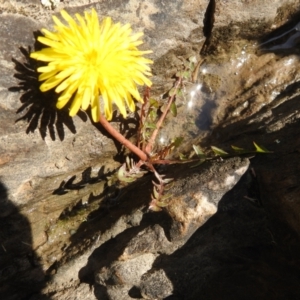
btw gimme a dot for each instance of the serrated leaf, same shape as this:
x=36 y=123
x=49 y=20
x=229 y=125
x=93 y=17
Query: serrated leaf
x=169 y=186
x=126 y=179
x=155 y=193
x=261 y=149
x=154 y=207
x=155 y=184
x=128 y=162
x=173 y=109
x=165 y=197
x=219 y=151
x=121 y=171
x=140 y=174
x=167 y=180
x=161 y=204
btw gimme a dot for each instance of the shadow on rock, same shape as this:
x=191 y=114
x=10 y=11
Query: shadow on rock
x=86 y=178
x=39 y=108
x=115 y=268
x=244 y=251
x=115 y=208
x=96 y=272
x=21 y=276
x=270 y=126
x=232 y=256
x=283 y=40
x=250 y=248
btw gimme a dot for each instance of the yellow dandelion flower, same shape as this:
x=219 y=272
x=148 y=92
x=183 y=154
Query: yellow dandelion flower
x=89 y=59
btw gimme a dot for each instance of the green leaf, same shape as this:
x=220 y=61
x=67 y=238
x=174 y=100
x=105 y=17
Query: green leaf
x=163 y=107
x=177 y=141
x=193 y=59
x=154 y=103
x=173 y=109
x=261 y=149
x=200 y=162
x=179 y=93
x=219 y=151
x=150 y=125
x=198 y=151
x=179 y=74
x=186 y=64
x=182 y=156
x=239 y=150
x=186 y=74
x=152 y=115
x=172 y=92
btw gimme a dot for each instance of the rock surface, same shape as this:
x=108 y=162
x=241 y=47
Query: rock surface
x=65 y=228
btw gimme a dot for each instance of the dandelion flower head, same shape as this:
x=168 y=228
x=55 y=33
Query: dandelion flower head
x=88 y=60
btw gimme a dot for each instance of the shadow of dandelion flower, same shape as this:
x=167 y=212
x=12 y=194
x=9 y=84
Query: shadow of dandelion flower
x=39 y=108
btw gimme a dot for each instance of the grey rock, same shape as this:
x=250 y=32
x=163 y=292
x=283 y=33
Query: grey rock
x=54 y=170
x=156 y=285
x=118 y=292
x=129 y=271
x=137 y=249
x=150 y=240
x=195 y=196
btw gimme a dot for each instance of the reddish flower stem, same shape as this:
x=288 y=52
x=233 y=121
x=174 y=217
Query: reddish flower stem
x=142 y=116
x=118 y=136
x=143 y=155
x=151 y=142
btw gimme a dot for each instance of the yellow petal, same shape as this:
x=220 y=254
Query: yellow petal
x=95 y=107
x=50 y=35
x=130 y=103
x=47 y=75
x=86 y=99
x=59 y=25
x=75 y=104
x=48 y=42
x=62 y=102
x=47 y=69
x=91 y=59
x=50 y=83
x=66 y=95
